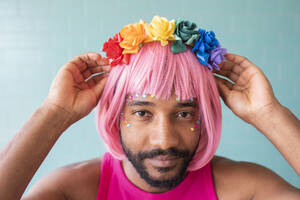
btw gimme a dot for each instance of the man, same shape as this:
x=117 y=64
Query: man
x=71 y=98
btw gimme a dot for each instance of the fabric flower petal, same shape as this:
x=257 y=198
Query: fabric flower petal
x=160 y=29
x=114 y=51
x=202 y=57
x=178 y=46
x=217 y=57
x=133 y=37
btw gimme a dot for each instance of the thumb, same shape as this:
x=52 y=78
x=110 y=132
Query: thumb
x=99 y=87
x=224 y=88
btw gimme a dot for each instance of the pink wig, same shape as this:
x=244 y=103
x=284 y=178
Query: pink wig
x=156 y=70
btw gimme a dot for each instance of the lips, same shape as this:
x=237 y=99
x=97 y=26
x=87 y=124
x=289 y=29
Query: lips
x=163 y=161
x=163 y=158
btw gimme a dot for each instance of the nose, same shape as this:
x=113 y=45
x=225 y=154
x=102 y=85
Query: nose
x=163 y=135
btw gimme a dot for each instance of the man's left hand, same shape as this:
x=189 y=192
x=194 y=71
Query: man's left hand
x=251 y=96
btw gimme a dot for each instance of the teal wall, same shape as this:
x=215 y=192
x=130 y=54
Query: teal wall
x=38 y=37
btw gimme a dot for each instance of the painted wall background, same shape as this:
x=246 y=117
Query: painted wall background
x=38 y=37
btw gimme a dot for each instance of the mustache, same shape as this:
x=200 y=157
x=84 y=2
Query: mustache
x=157 y=152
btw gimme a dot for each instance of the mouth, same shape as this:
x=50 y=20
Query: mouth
x=163 y=161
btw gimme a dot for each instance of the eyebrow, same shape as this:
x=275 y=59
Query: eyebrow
x=141 y=103
x=186 y=104
x=147 y=103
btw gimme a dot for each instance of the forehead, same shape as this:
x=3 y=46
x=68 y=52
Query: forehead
x=151 y=100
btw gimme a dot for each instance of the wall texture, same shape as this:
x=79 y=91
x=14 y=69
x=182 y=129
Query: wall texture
x=38 y=37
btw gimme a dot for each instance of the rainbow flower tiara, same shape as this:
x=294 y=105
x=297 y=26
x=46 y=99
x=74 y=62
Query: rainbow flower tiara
x=181 y=33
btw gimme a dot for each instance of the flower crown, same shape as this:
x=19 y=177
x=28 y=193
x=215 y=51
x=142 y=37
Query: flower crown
x=180 y=32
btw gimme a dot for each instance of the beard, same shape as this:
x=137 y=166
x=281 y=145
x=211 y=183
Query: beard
x=137 y=162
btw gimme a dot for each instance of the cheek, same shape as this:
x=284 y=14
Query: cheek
x=195 y=138
x=133 y=137
x=190 y=138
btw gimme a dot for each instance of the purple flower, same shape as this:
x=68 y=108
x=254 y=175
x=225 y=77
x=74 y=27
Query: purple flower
x=216 y=57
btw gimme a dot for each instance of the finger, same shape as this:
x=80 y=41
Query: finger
x=103 y=61
x=76 y=74
x=82 y=86
x=99 y=77
x=240 y=60
x=96 y=77
x=225 y=82
x=224 y=88
x=98 y=89
x=87 y=78
x=99 y=69
x=86 y=74
x=96 y=73
x=229 y=74
x=231 y=66
x=93 y=59
x=91 y=82
x=87 y=60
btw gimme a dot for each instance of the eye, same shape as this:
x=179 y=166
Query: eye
x=185 y=114
x=141 y=113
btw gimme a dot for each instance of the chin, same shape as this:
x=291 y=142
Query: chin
x=166 y=177
x=166 y=171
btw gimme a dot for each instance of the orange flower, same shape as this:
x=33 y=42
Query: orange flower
x=133 y=37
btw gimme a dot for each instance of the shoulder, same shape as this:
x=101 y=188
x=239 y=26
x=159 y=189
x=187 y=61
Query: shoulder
x=74 y=181
x=247 y=180
x=229 y=174
x=81 y=179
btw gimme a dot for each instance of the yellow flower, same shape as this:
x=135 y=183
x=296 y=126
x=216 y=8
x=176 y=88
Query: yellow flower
x=133 y=37
x=160 y=29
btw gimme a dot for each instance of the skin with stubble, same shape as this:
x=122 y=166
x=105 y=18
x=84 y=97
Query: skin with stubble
x=159 y=144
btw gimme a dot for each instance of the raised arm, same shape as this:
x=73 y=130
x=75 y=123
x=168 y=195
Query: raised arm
x=251 y=98
x=70 y=98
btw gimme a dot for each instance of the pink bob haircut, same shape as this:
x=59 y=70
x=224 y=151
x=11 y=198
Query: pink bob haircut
x=156 y=70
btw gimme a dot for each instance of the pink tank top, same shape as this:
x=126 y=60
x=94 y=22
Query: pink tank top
x=114 y=185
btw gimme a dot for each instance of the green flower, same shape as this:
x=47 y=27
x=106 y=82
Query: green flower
x=185 y=34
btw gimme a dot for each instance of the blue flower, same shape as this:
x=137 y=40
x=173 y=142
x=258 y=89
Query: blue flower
x=204 y=45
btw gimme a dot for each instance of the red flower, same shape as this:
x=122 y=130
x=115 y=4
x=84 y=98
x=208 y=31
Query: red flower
x=114 y=51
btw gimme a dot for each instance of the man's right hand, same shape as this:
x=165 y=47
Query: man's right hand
x=69 y=92
x=71 y=97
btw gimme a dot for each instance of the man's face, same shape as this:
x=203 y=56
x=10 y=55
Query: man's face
x=161 y=139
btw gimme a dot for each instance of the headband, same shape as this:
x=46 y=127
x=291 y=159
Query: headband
x=181 y=33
